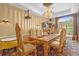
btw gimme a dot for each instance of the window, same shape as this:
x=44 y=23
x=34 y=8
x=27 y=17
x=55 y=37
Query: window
x=68 y=20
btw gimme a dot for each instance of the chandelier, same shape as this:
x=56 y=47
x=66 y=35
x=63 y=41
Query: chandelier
x=48 y=10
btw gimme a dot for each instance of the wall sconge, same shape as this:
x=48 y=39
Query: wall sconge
x=4 y=21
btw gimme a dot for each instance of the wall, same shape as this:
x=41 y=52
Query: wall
x=13 y=15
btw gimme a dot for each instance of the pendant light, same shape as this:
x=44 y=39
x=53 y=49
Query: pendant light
x=28 y=21
x=27 y=17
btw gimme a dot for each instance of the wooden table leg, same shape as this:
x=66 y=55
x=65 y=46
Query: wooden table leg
x=36 y=48
x=46 y=49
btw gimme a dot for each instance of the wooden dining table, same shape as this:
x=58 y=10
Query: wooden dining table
x=46 y=41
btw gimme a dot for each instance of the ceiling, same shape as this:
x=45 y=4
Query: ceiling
x=58 y=9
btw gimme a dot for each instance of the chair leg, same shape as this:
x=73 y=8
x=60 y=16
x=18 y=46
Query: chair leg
x=60 y=52
x=35 y=52
x=36 y=49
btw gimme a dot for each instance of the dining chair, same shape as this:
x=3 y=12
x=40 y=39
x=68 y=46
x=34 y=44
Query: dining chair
x=53 y=29
x=24 y=49
x=59 y=44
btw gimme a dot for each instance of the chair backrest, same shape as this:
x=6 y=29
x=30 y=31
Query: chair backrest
x=53 y=29
x=32 y=32
x=62 y=36
x=19 y=37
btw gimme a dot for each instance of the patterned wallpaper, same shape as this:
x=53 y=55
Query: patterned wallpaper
x=13 y=15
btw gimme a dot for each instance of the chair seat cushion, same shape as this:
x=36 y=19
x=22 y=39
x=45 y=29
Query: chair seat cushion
x=55 y=44
x=28 y=48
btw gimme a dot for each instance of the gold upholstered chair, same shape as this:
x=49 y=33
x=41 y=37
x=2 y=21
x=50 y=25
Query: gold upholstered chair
x=24 y=49
x=60 y=42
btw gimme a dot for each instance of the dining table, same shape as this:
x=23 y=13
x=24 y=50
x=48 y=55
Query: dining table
x=45 y=40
